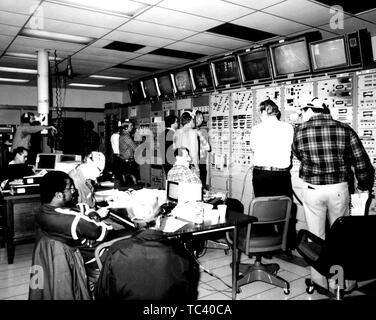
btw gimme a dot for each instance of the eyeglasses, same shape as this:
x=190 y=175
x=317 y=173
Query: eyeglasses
x=71 y=188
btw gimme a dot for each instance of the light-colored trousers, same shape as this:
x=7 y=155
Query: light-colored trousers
x=320 y=202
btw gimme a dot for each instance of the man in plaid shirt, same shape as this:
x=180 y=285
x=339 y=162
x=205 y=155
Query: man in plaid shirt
x=181 y=172
x=327 y=150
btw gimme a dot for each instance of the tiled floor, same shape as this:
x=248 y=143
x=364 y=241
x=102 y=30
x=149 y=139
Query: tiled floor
x=14 y=278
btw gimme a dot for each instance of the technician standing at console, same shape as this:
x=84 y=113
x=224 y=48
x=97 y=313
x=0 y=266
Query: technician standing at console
x=271 y=142
x=327 y=150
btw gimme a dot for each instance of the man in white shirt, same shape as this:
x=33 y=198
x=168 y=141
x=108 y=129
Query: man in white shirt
x=115 y=155
x=271 y=142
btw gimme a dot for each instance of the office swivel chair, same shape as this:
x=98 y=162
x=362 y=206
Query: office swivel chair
x=350 y=244
x=267 y=235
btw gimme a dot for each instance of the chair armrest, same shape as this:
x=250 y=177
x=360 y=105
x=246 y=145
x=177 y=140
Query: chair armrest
x=305 y=235
x=103 y=246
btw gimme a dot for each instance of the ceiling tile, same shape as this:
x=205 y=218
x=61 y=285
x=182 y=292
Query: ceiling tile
x=13 y=19
x=19 y=6
x=8 y=30
x=18 y=63
x=241 y=32
x=74 y=28
x=156 y=30
x=302 y=11
x=194 y=47
x=47 y=44
x=106 y=52
x=351 y=25
x=255 y=4
x=81 y=16
x=100 y=58
x=152 y=64
x=353 y=7
x=162 y=59
x=214 y=9
x=324 y=33
x=138 y=39
x=269 y=23
x=145 y=50
x=217 y=41
x=369 y=16
x=177 y=19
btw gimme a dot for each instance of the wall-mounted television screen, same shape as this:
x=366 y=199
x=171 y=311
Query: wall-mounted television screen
x=255 y=65
x=135 y=91
x=150 y=88
x=202 y=77
x=183 y=83
x=290 y=58
x=328 y=54
x=225 y=72
x=165 y=85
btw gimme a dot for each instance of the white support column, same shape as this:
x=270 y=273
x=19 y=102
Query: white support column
x=43 y=96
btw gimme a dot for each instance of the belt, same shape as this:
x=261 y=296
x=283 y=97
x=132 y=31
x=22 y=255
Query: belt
x=270 y=168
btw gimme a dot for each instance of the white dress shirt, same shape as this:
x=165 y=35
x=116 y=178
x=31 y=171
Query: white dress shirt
x=115 y=142
x=271 y=142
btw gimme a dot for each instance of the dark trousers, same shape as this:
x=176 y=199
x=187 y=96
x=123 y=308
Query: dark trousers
x=128 y=167
x=203 y=173
x=276 y=183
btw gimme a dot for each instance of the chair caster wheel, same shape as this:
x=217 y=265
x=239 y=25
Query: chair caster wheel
x=286 y=291
x=310 y=290
x=310 y=287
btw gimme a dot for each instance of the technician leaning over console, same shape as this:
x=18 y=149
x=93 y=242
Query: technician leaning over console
x=327 y=150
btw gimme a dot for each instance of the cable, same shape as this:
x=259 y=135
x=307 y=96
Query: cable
x=204 y=269
x=296 y=197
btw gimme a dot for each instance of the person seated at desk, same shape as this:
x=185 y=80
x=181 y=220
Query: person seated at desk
x=17 y=168
x=181 y=172
x=59 y=220
x=148 y=266
x=85 y=175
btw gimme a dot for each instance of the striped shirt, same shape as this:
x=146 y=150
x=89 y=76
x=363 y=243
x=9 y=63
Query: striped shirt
x=328 y=149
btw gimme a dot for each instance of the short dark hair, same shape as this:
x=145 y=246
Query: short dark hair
x=25 y=118
x=323 y=110
x=170 y=120
x=19 y=150
x=186 y=117
x=179 y=152
x=270 y=107
x=52 y=182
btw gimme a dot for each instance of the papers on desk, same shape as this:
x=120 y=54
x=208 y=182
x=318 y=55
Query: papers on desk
x=173 y=224
x=109 y=184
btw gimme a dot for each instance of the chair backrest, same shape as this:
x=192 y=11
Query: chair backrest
x=270 y=211
x=351 y=243
x=103 y=246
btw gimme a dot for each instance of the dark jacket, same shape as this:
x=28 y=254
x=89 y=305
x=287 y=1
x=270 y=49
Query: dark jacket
x=148 y=267
x=57 y=272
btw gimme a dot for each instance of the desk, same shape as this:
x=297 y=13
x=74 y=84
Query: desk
x=19 y=223
x=233 y=221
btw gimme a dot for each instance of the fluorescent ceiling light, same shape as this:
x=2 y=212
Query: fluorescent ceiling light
x=28 y=56
x=86 y=85
x=119 y=7
x=107 y=77
x=13 y=80
x=18 y=70
x=42 y=34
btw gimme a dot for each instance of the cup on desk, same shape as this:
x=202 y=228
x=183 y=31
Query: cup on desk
x=222 y=209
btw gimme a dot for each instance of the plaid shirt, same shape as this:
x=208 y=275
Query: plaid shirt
x=126 y=146
x=180 y=173
x=327 y=149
